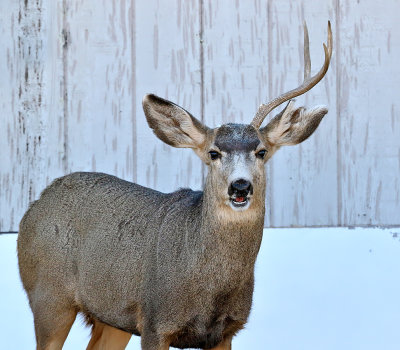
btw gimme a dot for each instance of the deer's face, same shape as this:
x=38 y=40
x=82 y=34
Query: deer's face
x=235 y=155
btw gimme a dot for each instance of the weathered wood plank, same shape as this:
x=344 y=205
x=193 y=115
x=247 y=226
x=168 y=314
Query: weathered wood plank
x=8 y=126
x=369 y=111
x=168 y=64
x=235 y=60
x=100 y=86
x=33 y=153
x=304 y=177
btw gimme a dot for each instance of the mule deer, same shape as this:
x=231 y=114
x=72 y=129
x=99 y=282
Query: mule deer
x=175 y=268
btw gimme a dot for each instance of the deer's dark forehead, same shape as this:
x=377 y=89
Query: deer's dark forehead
x=236 y=137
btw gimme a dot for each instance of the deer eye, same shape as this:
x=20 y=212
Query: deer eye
x=261 y=154
x=214 y=155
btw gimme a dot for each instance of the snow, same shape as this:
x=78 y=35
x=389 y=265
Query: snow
x=318 y=288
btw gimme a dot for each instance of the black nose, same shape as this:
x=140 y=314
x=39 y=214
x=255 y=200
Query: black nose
x=241 y=187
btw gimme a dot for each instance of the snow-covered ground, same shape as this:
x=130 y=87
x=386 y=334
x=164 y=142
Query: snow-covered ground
x=325 y=288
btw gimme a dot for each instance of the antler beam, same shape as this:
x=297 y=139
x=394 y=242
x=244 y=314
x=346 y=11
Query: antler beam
x=308 y=83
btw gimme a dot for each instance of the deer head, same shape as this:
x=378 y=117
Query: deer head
x=236 y=153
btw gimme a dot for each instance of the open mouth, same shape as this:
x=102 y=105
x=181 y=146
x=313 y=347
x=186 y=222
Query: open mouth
x=240 y=192
x=239 y=201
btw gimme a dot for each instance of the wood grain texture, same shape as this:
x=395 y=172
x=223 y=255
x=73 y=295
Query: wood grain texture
x=369 y=111
x=235 y=60
x=99 y=86
x=30 y=118
x=167 y=64
x=9 y=133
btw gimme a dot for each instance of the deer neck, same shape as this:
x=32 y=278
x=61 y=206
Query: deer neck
x=236 y=233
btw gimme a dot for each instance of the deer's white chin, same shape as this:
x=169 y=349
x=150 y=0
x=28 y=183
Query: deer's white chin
x=239 y=206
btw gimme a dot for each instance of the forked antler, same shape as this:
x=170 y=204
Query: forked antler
x=307 y=84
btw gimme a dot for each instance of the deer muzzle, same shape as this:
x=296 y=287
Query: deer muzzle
x=239 y=192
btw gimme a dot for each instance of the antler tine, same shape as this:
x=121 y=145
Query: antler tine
x=307 y=59
x=308 y=83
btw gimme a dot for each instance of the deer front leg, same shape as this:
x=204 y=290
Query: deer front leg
x=105 y=337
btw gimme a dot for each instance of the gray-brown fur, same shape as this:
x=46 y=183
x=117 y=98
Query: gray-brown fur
x=175 y=268
x=237 y=137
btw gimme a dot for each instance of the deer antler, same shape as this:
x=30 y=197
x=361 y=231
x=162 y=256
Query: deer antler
x=308 y=83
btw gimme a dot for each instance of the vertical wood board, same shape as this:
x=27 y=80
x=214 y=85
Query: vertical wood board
x=8 y=126
x=100 y=86
x=35 y=141
x=167 y=40
x=369 y=112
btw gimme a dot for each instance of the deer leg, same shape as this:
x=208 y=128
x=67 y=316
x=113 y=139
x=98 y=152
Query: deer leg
x=97 y=330
x=105 y=337
x=52 y=324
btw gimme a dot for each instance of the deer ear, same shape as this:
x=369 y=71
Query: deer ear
x=172 y=124
x=292 y=125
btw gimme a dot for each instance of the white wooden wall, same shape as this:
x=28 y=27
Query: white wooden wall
x=73 y=73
